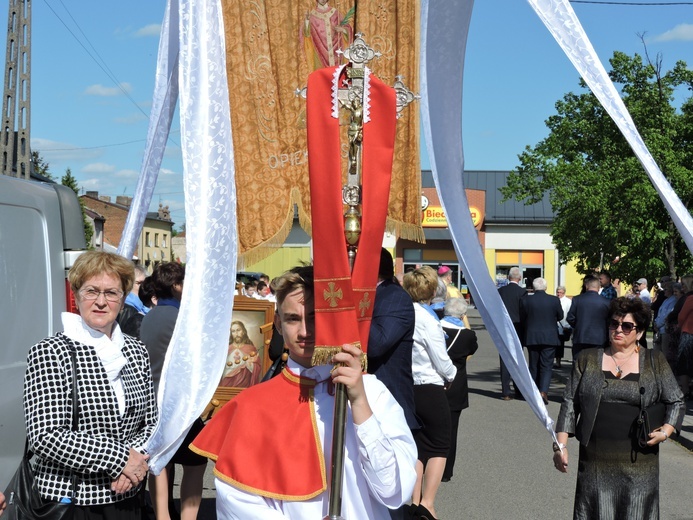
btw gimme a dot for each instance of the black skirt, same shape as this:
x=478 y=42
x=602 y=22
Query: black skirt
x=128 y=509
x=185 y=456
x=432 y=409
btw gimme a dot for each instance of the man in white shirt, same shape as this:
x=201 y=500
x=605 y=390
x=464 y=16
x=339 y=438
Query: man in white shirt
x=271 y=442
x=641 y=289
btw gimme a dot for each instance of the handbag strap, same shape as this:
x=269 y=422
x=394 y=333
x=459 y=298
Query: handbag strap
x=453 y=341
x=642 y=388
x=75 y=407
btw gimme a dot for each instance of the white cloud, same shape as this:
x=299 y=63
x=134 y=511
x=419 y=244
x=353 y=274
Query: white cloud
x=58 y=152
x=682 y=32
x=127 y=173
x=98 y=168
x=100 y=90
x=153 y=29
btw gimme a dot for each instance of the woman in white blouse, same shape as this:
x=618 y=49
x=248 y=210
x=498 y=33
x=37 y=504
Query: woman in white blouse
x=432 y=371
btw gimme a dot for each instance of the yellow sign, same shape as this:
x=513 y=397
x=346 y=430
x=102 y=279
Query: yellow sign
x=434 y=216
x=476 y=215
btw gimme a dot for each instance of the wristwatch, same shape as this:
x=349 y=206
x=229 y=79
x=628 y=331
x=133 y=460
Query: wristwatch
x=558 y=446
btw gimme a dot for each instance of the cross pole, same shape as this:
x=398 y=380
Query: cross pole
x=351 y=98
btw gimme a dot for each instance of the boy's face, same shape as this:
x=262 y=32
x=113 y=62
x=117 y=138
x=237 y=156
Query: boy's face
x=295 y=319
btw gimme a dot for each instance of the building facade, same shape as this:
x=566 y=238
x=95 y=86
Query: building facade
x=154 y=245
x=510 y=233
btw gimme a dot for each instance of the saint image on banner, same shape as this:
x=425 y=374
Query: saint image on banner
x=324 y=32
x=243 y=364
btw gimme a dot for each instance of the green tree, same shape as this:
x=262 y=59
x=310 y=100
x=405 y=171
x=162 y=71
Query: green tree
x=39 y=165
x=69 y=180
x=605 y=205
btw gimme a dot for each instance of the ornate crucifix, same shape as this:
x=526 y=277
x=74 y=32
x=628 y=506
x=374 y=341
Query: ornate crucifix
x=354 y=100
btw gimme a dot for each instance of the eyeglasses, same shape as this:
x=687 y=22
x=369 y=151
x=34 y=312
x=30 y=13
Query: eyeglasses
x=90 y=294
x=626 y=326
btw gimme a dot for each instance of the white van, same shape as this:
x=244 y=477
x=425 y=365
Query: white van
x=41 y=235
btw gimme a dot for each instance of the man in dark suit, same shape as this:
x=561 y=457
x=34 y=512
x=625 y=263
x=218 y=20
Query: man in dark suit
x=511 y=295
x=588 y=315
x=539 y=313
x=390 y=340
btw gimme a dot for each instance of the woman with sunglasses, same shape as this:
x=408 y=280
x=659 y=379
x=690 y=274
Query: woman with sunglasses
x=616 y=477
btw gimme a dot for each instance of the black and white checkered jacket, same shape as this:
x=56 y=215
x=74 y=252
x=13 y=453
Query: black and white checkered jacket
x=99 y=450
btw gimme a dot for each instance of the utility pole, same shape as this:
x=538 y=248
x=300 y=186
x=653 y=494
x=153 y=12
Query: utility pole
x=15 y=149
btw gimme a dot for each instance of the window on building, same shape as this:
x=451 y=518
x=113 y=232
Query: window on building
x=163 y=240
x=156 y=239
x=531 y=264
x=147 y=239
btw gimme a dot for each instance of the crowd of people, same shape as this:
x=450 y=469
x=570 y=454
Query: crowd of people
x=404 y=413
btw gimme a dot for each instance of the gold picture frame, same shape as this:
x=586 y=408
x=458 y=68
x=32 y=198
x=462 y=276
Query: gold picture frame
x=248 y=355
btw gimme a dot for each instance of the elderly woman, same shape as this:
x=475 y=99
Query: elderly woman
x=461 y=344
x=432 y=369
x=616 y=477
x=115 y=398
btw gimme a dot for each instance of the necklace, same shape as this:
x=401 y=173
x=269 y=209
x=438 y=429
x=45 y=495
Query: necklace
x=619 y=370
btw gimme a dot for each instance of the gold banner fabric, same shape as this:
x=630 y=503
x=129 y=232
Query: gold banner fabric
x=272 y=46
x=393 y=28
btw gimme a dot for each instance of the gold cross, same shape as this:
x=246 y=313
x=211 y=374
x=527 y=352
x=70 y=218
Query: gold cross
x=364 y=304
x=332 y=294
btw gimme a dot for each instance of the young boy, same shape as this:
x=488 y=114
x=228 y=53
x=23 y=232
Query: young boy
x=272 y=443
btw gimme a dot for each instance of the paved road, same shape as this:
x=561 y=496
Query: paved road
x=504 y=467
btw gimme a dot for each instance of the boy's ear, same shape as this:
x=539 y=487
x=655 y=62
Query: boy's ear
x=277 y=322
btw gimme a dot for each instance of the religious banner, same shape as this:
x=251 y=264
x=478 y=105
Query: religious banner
x=272 y=46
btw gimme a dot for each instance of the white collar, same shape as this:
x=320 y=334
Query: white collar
x=108 y=350
x=319 y=373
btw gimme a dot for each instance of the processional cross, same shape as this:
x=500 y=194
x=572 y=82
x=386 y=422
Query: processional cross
x=353 y=99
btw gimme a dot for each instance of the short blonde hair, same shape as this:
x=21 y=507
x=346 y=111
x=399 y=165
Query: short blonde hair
x=421 y=284
x=94 y=263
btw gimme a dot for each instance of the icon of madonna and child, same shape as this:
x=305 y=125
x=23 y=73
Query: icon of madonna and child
x=244 y=362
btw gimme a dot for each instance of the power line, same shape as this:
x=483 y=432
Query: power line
x=90 y=147
x=103 y=67
x=629 y=3
x=73 y=148
x=101 y=64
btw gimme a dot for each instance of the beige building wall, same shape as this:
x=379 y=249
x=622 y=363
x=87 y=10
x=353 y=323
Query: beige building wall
x=156 y=243
x=281 y=260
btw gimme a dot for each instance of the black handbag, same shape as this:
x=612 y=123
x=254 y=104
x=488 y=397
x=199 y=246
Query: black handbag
x=650 y=418
x=23 y=499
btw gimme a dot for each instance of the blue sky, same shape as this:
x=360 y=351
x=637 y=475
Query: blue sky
x=514 y=74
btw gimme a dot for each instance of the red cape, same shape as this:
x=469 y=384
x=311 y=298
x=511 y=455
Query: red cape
x=266 y=441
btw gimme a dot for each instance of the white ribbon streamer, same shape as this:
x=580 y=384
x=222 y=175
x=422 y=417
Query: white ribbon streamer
x=560 y=19
x=197 y=352
x=442 y=66
x=161 y=115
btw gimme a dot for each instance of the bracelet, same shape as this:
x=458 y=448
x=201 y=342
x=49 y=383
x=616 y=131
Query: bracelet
x=558 y=446
x=666 y=436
